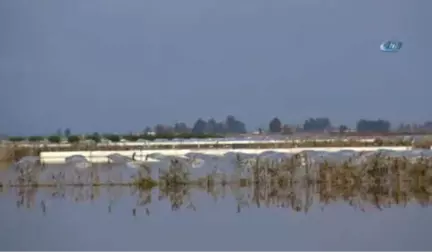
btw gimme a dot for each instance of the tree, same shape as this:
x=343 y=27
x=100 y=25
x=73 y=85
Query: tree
x=67 y=132
x=234 y=126
x=317 y=124
x=131 y=138
x=211 y=126
x=275 y=125
x=16 y=139
x=54 y=139
x=381 y=126
x=343 y=128
x=181 y=128
x=147 y=130
x=94 y=137
x=73 y=139
x=113 y=138
x=36 y=138
x=161 y=129
x=199 y=127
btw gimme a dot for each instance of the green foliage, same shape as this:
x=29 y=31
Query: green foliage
x=373 y=125
x=73 y=139
x=16 y=139
x=131 y=138
x=36 y=138
x=94 y=137
x=275 y=125
x=113 y=138
x=317 y=124
x=171 y=136
x=54 y=139
x=116 y=138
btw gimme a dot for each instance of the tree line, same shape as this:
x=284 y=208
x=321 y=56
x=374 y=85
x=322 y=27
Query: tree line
x=230 y=125
x=213 y=129
x=323 y=124
x=96 y=137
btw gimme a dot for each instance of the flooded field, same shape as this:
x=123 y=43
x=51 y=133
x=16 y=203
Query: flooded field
x=313 y=201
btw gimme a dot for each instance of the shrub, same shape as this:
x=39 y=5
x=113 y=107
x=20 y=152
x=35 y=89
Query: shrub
x=113 y=138
x=147 y=137
x=73 y=139
x=95 y=137
x=131 y=138
x=16 y=139
x=36 y=138
x=54 y=139
x=165 y=136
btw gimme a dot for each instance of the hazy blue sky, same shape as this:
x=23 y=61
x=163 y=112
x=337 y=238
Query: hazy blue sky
x=119 y=65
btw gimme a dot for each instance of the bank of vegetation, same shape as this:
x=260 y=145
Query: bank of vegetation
x=115 y=138
x=15 y=150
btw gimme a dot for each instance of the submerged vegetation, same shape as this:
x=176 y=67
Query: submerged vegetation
x=376 y=180
x=361 y=169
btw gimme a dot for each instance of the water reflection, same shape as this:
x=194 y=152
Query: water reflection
x=297 y=197
x=217 y=217
x=244 y=204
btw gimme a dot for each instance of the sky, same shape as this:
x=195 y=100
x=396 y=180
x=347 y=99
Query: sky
x=121 y=65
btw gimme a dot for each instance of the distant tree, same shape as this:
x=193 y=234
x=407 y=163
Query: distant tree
x=161 y=129
x=343 y=128
x=16 y=139
x=36 y=138
x=147 y=130
x=317 y=124
x=59 y=132
x=113 y=138
x=235 y=126
x=131 y=137
x=379 y=125
x=168 y=136
x=220 y=128
x=94 y=137
x=73 y=139
x=275 y=125
x=214 y=127
x=181 y=127
x=54 y=139
x=67 y=132
x=427 y=126
x=199 y=127
x=211 y=126
x=402 y=128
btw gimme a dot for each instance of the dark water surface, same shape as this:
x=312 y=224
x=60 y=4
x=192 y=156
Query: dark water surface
x=121 y=218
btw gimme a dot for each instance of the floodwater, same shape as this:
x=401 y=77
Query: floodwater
x=224 y=217
x=119 y=218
